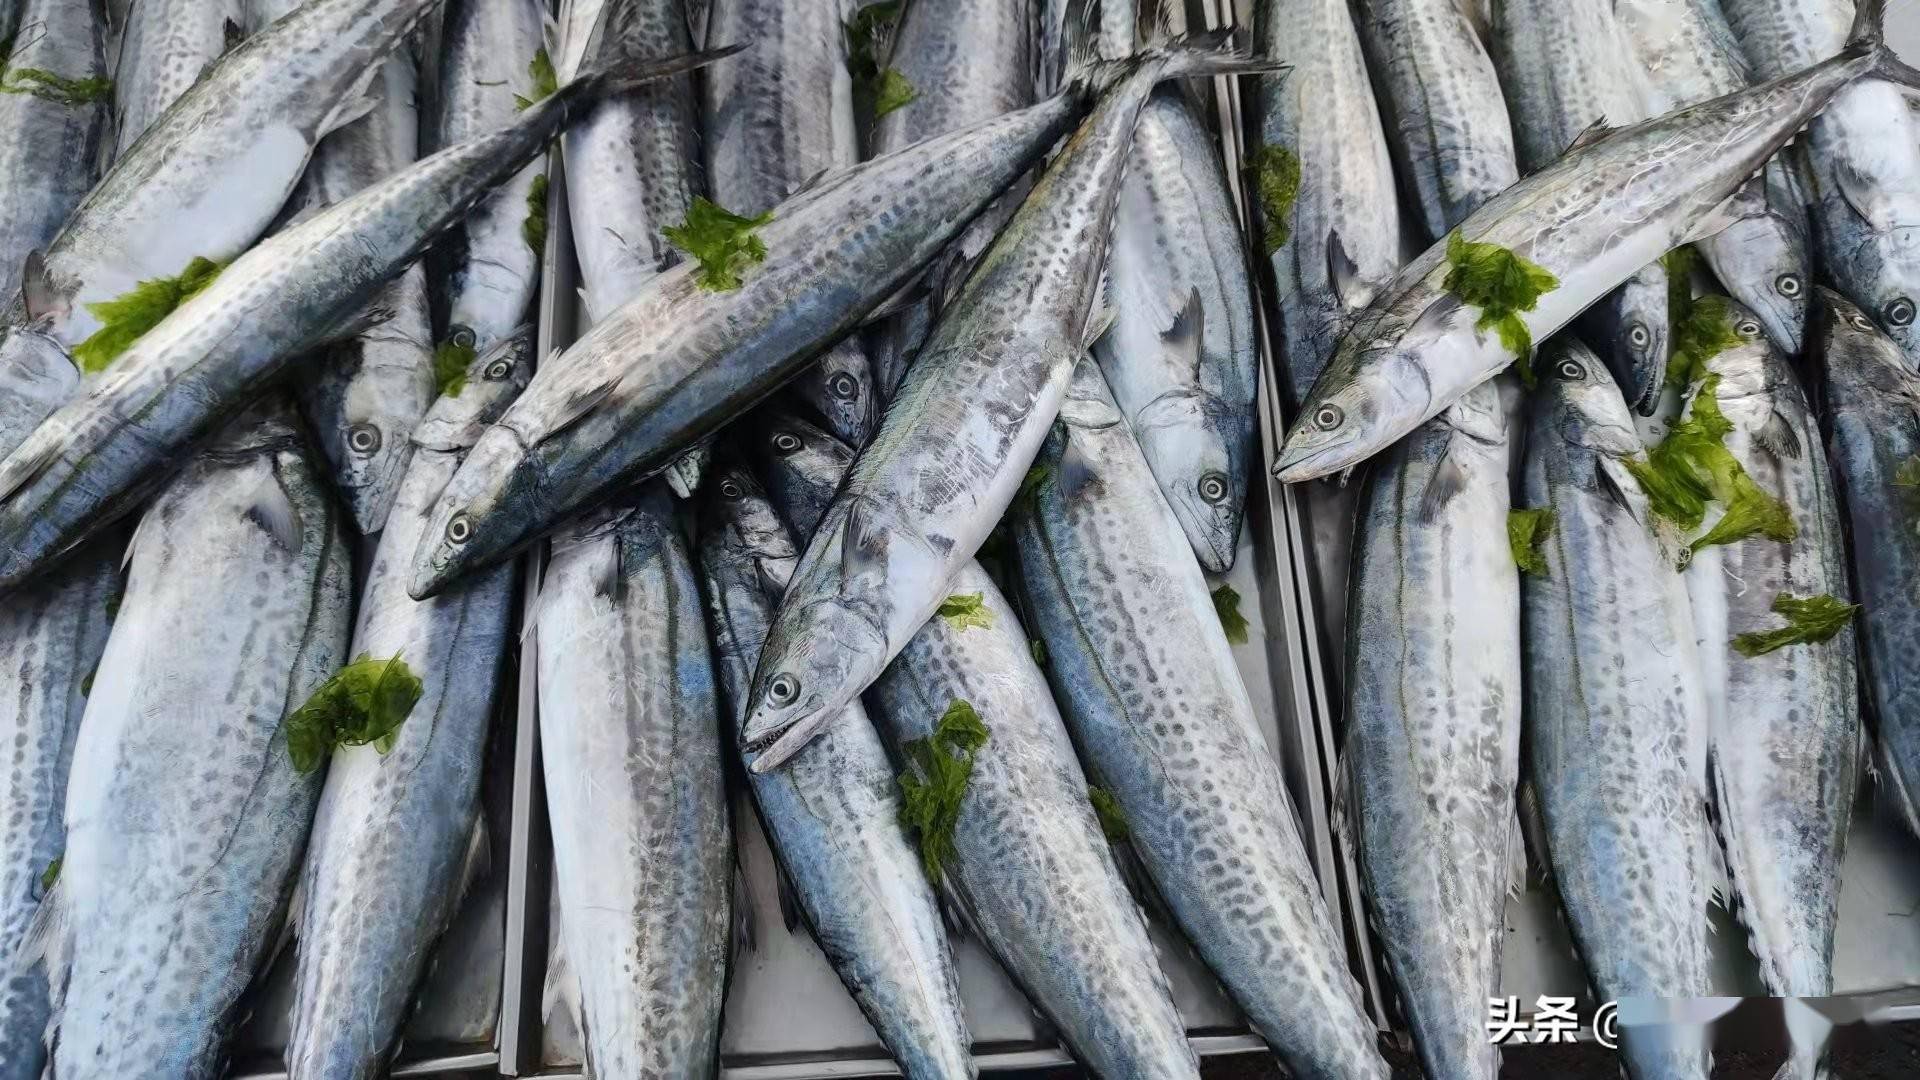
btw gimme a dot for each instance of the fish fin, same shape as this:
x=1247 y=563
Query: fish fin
x=809 y=183
x=349 y=110
x=1589 y=135
x=1434 y=321
x=1342 y=272
x=1088 y=414
x=863 y=547
x=29 y=469
x=1778 y=438
x=746 y=930
x=582 y=403
x=367 y=319
x=1532 y=822
x=792 y=915
x=42 y=299
x=1183 y=339
x=561 y=988
x=605 y=576
x=1609 y=485
x=1076 y=471
x=1715 y=221
x=1099 y=322
x=273 y=510
x=909 y=295
x=48 y=941
x=477 y=863
x=953 y=911
x=1342 y=806
x=1448 y=481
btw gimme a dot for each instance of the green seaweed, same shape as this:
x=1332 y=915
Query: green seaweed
x=1226 y=604
x=1692 y=467
x=1039 y=650
x=965 y=611
x=1527 y=532
x=545 y=81
x=1276 y=179
x=893 y=91
x=51 y=874
x=365 y=702
x=48 y=85
x=934 y=783
x=722 y=243
x=451 y=359
x=1113 y=821
x=1809 y=621
x=1702 y=330
x=1502 y=285
x=127 y=316
x=534 y=229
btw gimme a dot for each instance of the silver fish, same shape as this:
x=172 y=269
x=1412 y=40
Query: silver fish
x=36 y=378
x=965 y=62
x=86 y=465
x=1871 y=411
x=485 y=274
x=1030 y=872
x=973 y=412
x=236 y=610
x=1341 y=244
x=833 y=816
x=213 y=171
x=165 y=47
x=778 y=118
x=396 y=835
x=1566 y=66
x=1432 y=754
x=1181 y=356
x=1863 y=159
x=1616 y=721
x=367 y=392
x=1149 y=689
x=680 y=360
x=1690 y=56
x=1445 y=119
x=51 y=637
x=1592 y=220
x=50 y=132
x=642 y=847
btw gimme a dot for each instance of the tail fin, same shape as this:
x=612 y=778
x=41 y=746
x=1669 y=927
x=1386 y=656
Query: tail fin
x=1204 y=54
x=1868 y=38
x=616 y=70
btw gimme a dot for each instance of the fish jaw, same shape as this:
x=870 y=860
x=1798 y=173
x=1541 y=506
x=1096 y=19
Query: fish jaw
x=1371 y=404
x=451 y=545
x=827 y=671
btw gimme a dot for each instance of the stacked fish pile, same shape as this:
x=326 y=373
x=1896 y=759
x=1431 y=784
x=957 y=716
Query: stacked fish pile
x=882 y=494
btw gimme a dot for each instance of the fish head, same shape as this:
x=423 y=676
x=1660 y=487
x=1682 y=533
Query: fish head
x=1749 y=368
x=735 y=515
x=802 y=464
x=1202 y=467
x=1576 y=393
x=479 y=517
x=1774 y=280
x=1892 y=306
x=807 y=678
x=840 y=387
x=489 y=384
x=1861 y=364
x=37 y=376
x=1628 y=328
x=1356 y=410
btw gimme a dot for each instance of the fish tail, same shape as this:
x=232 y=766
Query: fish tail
x=1094 y=66
x=1868 y=38
x=617 y=68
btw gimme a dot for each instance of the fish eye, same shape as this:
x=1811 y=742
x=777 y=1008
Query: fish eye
x=786 y=442
x=1572 y=371
x=1638 y=337
x=463 y=337
x=1789 y=285
x=1328 y=417
x=843 y=386
x=363 y=438
x=1748 y=329
x=1213 y=487
x=783 y=690
x=1860 y=322
x=731 y=489
x=498 y=370
x=1900 y=312
x=460 y=529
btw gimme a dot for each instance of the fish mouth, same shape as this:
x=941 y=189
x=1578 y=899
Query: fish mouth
x=777 y=747
x=1299 y=463
x=1215 y=543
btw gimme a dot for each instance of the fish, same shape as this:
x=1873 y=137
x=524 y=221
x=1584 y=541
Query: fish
x=964 y=63
x=484 y=276
x=397 y=835
x=1580 y=220
x=85 y=465
x=212 y=172
x=1180 y=354
x=1164 y=725
x=1566 y=65
x=1690 y=55
x=1870 y=412
x=834 y=816
x=165 y=47
x=1031 y=872
x=1616 y=716
x=51 y=637
x=237 y=609
x=1338 y=244
x=1862 y=159
x=1431 y=762
x=777 y=119
x=51 y=128
x=680 y=360
x=366 y=393
x=1785 y=725
x=1446 y=122
x=642 y=840
x=973 y=412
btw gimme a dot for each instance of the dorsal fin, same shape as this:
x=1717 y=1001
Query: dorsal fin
x=37 y=290
x=1448 y=481
x=272 y=509
x=1591 y=134
x=1342 y=272
x=1184 y=338
x=863 y=548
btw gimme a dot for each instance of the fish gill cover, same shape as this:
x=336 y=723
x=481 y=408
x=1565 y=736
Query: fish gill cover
x=722 y=243
x=127 y=316
x=1809 y=621
x=1503 y=286
x=934 y=783
x=365 y=702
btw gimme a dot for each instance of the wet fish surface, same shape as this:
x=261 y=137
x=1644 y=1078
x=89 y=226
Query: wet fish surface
x=50 y=132
x=631 y=743
x=165 y=47
x=394 y=838
x=236 y=610
x=833 y=815
x=1432 y=753
x=1617 y=724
